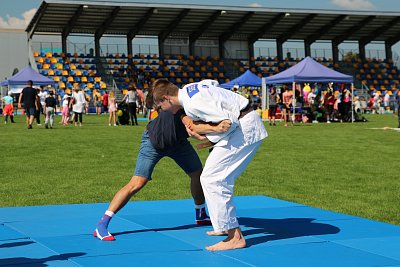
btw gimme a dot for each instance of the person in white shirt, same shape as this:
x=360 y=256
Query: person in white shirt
x=79 y=105
x=42 y=98
x=232 y=152
x=386 y=101
x=131 y=97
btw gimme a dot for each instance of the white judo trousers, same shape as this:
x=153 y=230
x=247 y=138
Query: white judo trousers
x=233 y=150
x=223 y=166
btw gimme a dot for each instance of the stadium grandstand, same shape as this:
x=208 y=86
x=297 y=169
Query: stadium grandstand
x=196 y=42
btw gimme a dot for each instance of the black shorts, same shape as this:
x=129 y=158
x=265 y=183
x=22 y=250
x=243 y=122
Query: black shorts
x=272 y=110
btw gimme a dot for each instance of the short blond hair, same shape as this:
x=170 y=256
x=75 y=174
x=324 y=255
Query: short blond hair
x=161 y=88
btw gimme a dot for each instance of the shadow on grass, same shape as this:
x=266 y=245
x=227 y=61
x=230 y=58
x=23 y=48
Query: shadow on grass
x=277 y=229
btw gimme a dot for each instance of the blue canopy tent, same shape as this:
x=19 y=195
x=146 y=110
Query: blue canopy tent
x=19 y=80
x=309 y=70
x=246 y=79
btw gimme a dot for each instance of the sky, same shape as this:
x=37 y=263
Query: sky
x=18 y=13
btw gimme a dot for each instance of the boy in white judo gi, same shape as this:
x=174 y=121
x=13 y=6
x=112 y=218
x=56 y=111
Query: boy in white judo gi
x=233 y=150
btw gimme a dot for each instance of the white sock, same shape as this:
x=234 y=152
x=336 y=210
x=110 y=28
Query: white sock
x=109 y=213
x=199 y=206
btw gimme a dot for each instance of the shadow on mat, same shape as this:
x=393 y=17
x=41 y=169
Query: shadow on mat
x=277 y=229
x=181 y=227
x=16 y=244
x=38 y=262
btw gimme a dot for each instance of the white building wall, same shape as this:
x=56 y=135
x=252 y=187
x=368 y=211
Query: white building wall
x=13 y=51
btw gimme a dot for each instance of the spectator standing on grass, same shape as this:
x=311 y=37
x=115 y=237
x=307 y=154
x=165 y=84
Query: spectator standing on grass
x=112 y=109
x=381 y=106
x=329 y=101
x=273 y=100
x=65 y=110
x=40 y=108
x=30 y=99
x=386 y=101
x=49 y=107
x=97 y=102
x=105 y=102
x=79 y=104
x=8 y=110
x=287 y=102
x=132 y=97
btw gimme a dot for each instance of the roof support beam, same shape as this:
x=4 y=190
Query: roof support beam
x=393 y=40
x=42 y=11
x=228 y=34
x=100 y=31
x=170 y=28
x=380 y=31
x=140 y=24
x=266 y=27
x=72 y=22
x=312 y=38
x=353 y=29
x=196 y=34
x=388 y=51
x=284 y=37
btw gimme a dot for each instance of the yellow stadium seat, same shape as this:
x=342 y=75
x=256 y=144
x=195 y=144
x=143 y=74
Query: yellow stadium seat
x=60 y=66
x=53 y=60
x=56 y=78
x=78 y=73
x=35 y=54
x=84 y=79
x=97 y=79
x=46 y=66
x=103 y=85
x=64 y=73
x=61 y=85
x=49 y=55
x=89 y=85
x=50 y=73
x=70 y=79
x=72 y=67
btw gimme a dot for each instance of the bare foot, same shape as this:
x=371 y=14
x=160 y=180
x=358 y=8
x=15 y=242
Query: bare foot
x=235 y=240
x=227 y=244
x=213 y=233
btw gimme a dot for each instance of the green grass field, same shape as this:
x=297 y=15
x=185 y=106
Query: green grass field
x=348 y=168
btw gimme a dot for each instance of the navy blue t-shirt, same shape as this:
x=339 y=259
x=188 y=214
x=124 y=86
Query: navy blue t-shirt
x=29 y=97
x=167 y=130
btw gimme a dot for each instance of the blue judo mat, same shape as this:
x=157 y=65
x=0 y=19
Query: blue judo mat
x=163 y=233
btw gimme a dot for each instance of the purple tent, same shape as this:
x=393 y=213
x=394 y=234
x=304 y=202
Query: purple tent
x=308 y=70
x=26 y=74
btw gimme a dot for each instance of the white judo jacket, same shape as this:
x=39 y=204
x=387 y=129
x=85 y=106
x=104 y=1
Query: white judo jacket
x=205 y=102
